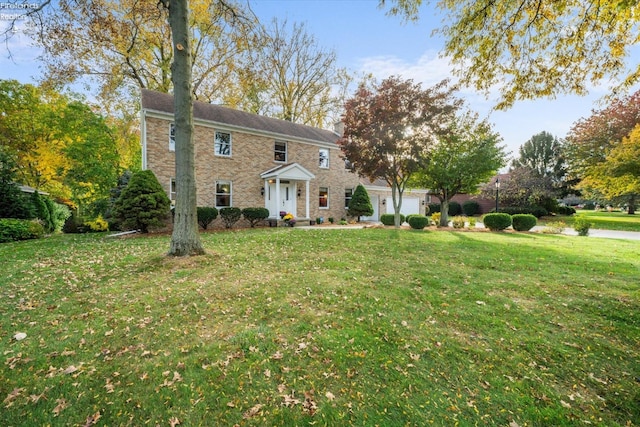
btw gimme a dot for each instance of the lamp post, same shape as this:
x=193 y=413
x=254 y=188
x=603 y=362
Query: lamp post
x=497 y=192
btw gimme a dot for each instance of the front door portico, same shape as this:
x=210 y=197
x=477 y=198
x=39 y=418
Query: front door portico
x=282 y=185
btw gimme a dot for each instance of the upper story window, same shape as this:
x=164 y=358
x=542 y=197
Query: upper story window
x=172 y=137
x=223 y=194
x=280 y=151
x=223 y=144
x=323 y=197
x=323 y=158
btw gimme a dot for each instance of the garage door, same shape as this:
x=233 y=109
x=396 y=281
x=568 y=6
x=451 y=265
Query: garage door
x=410 y=205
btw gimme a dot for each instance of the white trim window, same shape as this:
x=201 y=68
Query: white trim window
x=172 y=137
x=172 y=189
x=323 y=198
x=323 y=158
x=223 y=194
x=348 y=195
x=280 y=151
x=222 y=144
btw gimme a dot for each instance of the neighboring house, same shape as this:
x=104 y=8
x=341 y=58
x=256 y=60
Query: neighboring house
x=248 y=160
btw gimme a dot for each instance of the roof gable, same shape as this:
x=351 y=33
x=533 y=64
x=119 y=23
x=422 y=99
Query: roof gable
x=162 y=102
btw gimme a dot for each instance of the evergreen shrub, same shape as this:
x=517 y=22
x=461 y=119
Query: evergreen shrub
x=360 y=204
x=20 y=229
x=497 y=221
x=471 y=208
x=434 y=207
x=206 y=215
x=389 y=219
x=523 y=222
x=417 y=222
x=230 y=216
x=454 y=209
x=255 y=215
x=582 y=225
x=142 y=203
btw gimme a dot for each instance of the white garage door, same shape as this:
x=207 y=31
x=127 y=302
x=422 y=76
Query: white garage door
x=410 y=205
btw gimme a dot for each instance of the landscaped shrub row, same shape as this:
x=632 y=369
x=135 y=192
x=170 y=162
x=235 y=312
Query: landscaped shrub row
x=454 y=208
x=565 y=210
x=471 y=208
x=206 y=215
x=536 y=211
x=389 y=219
x=20 y=229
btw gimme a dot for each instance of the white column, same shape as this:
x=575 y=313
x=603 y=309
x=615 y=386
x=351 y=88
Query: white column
x=306 y=197
x=278 y=207
x=265 y=186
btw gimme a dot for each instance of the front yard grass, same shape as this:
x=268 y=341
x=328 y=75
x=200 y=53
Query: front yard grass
x=620 y=221
x=321 y=327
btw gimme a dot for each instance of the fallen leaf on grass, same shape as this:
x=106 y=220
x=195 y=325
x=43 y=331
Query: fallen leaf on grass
x=12 y=396
x=173 y=422
x=61 y=405
x=92 y=419
x=70 y=370
x=289 y=400
x=309 y=404
x=253 y=411
x=565 y=404
x=330 y=396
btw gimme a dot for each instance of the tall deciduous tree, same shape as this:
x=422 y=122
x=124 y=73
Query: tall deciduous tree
x=185 y=239
x=463 y=158
x=295 y=77
x=531 y=49
x=124 y=45
x=389 y=127
x=591 y=140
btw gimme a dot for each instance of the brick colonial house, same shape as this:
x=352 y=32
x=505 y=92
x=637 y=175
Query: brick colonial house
x=248 y=160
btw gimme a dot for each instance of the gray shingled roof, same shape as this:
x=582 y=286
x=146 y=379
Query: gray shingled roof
x=157 y=101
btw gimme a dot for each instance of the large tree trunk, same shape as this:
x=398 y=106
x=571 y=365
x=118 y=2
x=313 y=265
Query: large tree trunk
x=185 y=239
x=396 y=198
x=632 y=205
x=444 y=212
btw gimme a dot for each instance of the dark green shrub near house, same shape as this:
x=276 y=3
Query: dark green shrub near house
x=389 y=219
x=255 y=215
x=230 y=216
x=523 y=222
x=471 y=208
x=142 y=204
x=20 y=229
x=434 y=207
x=206 y=215
x=589 y=206
x=454 y=209
x=417 y=222
x=43 y=211
x=497 y=221
x=360 y=204
x=408 y=218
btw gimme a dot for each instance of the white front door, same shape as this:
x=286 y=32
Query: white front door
x=287 y=202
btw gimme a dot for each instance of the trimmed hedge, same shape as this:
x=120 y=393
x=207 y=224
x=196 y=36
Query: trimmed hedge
x=471 y=208
x=434 y=207
x=497 y=221
x=389 y=219
x=566 y=210
x=20 y=229
x=536 y=211
x=523 y=222
x=418 y=222
x=206 y=215
x=255 y=215
x=230 y=216
x=454 y=209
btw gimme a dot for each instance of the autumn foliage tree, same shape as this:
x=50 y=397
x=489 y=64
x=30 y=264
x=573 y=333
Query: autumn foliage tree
x=532 y=49
x=592 y=140
x=389 y=127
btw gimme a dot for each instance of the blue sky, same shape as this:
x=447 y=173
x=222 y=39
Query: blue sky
x=368 y=41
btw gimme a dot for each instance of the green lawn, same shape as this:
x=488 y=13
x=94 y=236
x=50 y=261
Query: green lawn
x=321 y=327
x=602 y=220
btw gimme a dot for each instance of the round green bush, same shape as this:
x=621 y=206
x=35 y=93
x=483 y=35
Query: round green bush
x=206 y=215
x=523 y=222
x=255 y=215
x=418 y=222
x=497 y=221
x=434 y=207
x=454 y=209
x=230 y=216
x=471 y=208
x=20 y=229
x=582 y=225
x=389 y=219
